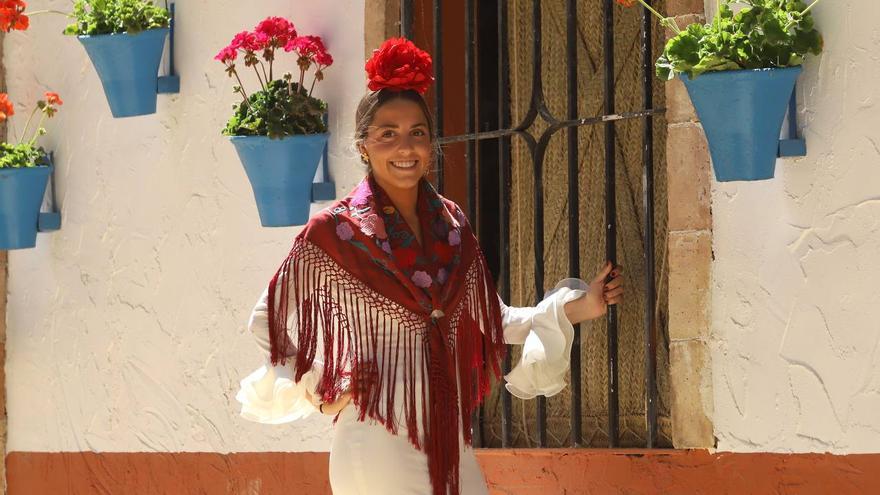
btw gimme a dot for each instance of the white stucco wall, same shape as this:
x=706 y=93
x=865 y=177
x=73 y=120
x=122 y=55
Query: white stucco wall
x=126 y=329
x=796 y=309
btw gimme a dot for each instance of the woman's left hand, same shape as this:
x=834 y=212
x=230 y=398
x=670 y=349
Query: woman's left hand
x=600 y=294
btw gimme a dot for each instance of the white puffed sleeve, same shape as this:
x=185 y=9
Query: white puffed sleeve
x=546 y=336
x=270 y=395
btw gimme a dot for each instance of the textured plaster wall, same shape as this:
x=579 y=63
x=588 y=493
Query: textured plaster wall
x=126 y=329
x=795 y=305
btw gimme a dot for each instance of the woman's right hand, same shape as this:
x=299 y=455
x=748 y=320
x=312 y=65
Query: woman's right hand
x=331 y=408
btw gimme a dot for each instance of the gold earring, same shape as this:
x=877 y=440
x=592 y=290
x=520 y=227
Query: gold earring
x=365 y=158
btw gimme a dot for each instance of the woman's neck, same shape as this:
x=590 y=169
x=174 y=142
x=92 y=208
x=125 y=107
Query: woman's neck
x=404 y=200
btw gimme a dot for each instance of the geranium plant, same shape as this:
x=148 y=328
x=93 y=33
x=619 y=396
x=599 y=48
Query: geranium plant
x=282 y=106
x=25 y=152
x=96 y=17
x=762 y=34
x=92 y=17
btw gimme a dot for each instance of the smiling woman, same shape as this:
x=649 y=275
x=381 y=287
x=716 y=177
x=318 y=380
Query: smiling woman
x=394 y=136
x=392 y=309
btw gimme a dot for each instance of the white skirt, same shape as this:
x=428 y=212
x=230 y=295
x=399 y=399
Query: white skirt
x=366 y=459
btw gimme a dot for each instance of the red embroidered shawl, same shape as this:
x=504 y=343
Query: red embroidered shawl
x=440 y=291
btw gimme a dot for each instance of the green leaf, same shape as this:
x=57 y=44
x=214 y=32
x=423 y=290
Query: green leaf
x=281 y=110
x=23 y=155
x=763 y=34
x=95 y=17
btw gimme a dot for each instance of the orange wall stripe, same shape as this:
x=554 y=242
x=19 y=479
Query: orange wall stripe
x=509 y=472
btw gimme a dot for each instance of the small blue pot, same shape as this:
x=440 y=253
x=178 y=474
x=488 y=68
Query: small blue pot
x=128 y=65
x=742 y=113
x=281 y=172
x=21 y=195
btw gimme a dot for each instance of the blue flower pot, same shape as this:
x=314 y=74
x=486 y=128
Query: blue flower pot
x=742 y=113
x=281 y=172
x=128 y=65
x=21 y=195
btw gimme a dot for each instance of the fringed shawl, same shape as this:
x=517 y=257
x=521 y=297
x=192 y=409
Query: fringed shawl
x=361 y=292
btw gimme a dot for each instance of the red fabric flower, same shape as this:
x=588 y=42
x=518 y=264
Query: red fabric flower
x=400 y=65
x=12 y=15
x=6 y=108
x=626 y=3
x=406 y=257
x=274 y=32
x=53 y=98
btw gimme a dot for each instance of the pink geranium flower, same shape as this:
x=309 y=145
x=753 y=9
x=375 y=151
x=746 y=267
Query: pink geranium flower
x=275 y=32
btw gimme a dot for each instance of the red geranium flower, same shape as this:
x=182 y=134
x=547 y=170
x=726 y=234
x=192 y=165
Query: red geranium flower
x=53 y=98
x=6 y=108
x=311 y=48
x=323 y=59
x=12 y=15
x=227 y=54
x=274 y=32
x=399 y=65
x=245 y=40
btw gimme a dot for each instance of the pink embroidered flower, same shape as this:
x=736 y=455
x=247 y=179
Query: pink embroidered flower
x=361 y=196
x=442 y=275
x=373 y=225
x=454 y=238
x=344 y=231
x=421 y=279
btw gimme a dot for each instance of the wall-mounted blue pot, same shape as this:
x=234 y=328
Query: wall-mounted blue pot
x=21 y=195
x=742 y=113
x=128 y=66
x=281 y=172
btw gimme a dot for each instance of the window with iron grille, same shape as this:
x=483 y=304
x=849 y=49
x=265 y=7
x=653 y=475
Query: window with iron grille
x=553 y=138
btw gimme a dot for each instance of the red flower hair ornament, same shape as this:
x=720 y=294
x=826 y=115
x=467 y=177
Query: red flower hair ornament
x=399 y=65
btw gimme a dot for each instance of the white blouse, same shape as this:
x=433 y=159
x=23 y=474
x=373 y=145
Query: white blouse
x=270 y=395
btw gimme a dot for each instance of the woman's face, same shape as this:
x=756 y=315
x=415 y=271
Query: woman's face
x=398 y=144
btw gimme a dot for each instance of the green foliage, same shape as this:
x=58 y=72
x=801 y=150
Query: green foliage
x=23 y=155
x=278 y=112
x=764 y=34
x=94 y=17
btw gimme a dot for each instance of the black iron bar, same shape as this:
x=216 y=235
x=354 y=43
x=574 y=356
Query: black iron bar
x=438 y=88
x=504 y=144
x=648 y=194
x=610 y=219
x=574 y=263
x=406 y=18
x=538 y=166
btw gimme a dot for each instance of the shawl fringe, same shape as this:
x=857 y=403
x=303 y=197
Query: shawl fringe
x=367 y=340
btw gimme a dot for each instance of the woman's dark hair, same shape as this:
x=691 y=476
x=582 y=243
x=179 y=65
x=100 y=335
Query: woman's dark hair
x=373 y=101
